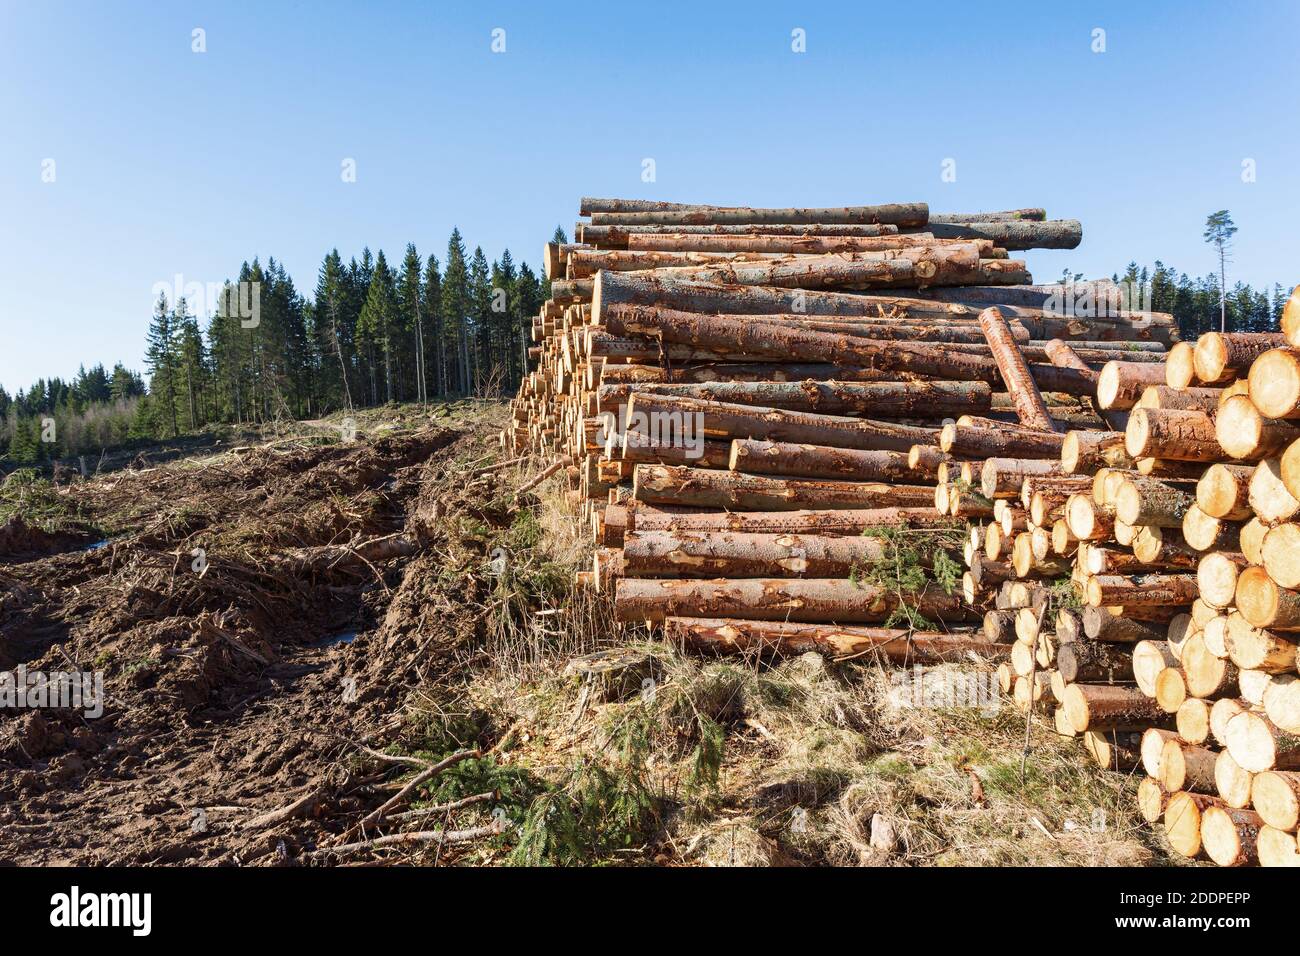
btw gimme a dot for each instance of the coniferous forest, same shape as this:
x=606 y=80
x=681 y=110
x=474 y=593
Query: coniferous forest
x=373 y=330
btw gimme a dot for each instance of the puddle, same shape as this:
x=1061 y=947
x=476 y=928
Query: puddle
x=347 y=637
x=97 y=545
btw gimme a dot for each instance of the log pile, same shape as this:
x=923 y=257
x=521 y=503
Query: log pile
x=734 y=395
x=1180 y=662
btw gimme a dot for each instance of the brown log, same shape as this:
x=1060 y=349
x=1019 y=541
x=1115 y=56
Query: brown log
x=1180 y=399
x=1161 y=433
x=788 y=342
x=1264 y=603
x=916 y=400
x=1222 y=491
x=898 y=214
x=1245 y=434
x=722 y=420
x=1120 y=384
x=1111 y=750
x=1094 y=662
x=791 y=460
x=704 y=488
x=1257 y=744
x=1030 y=407
x=729 y=635
x=1230 y=837
x=1086 y=451
x=1101 y=625
x=843 y=522
x=1110 y=707
x=1143 y=590
x=1185 y=766
x=808 y=244
x=619 y=237
x=1221 y=357
x=1003 y=477
x=1201 y=532
x=809 y=600
x=1149 y=501
x=977 y=442
x=727 y=554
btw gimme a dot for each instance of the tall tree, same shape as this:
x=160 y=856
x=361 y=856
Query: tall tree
x=378 y=317
x=1219 y=230
x=160 y=356
x=456 y=307
x=433 y=305
x=411 y=298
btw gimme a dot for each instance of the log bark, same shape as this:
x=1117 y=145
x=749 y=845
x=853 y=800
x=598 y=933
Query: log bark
x=1086 y=451
x=967 y=441
x=791 y=460
x=722 y=420
x=1245 y=434
x=1144 y=590
x=1177 y=435
x=1149 y=501
x=1110 y=707
x=1053 y=234
x=1101 y=625
x=1094 y=662
x=915 y=400
x=807 y=600
x=1185 y=766
x=1030 y=407
x=619 y=237
x=897 y=214
x=1121 y=384
x=785 y=342
x=843 y=522
x=1003 y=477
x=1221 y=357
x=783 y=638
x=703 y=488
x=728 y=554
x=1222 y=492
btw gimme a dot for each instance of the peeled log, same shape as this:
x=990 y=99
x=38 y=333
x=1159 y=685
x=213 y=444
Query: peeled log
x=791 y=460
x=726 y=554
x=1110 y=707
x=1164 y=433
x=1244 y=433
x=810 y=600
x=1030 y=407
x=785 y=638
x=705 y=488
x=1270 y=497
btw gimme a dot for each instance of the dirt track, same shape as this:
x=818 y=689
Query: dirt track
x=253 y=686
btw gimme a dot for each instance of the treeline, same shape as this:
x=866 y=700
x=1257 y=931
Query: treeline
x=54 y=419
x=1194 y=303
x=371 y=332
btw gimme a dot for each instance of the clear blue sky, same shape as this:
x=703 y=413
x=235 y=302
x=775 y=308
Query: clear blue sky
x=169 y=161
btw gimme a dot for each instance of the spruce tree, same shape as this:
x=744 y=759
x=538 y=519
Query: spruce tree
x=160 y=356
x=455 y=309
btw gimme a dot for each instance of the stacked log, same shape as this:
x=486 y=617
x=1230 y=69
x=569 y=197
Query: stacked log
x=1183 y=654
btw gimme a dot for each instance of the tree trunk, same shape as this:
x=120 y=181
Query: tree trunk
x=697 y=487
x=1145 y=590
x=966 y=441
x=791 y=460
x=1181 y=436
x=898 y=214
x=914 y=400
x=727 y=554
x=1030 y=407
x=1110 y=707
x=825 y=522
x=899 y=646
x=808 y=600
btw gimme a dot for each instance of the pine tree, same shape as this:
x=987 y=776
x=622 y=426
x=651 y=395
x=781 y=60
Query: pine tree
x=434 y=330
x=161 y=358
x=378 y=316
x=456 y=307
x=411 y=303
x=1219 y=231
x=480 y=291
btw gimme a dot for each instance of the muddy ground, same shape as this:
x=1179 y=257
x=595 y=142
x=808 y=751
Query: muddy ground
x=261 y=678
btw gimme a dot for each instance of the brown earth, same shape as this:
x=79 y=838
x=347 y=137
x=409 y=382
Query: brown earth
x=283 y=677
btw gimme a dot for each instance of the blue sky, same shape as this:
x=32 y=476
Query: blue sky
x=169 y=161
